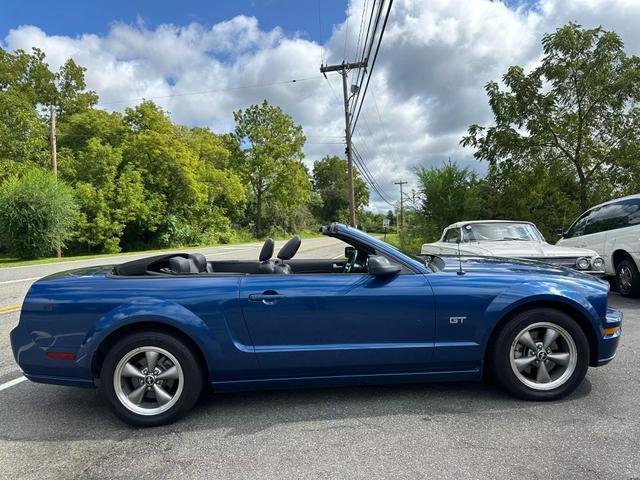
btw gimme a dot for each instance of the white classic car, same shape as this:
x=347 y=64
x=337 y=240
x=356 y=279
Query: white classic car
x=511 y=239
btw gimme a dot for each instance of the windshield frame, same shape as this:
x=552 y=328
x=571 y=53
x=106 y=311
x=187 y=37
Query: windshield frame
x=530 y=227
x=415 y=263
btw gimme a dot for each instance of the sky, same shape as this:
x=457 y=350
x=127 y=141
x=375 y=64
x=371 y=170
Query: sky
x=202 y=60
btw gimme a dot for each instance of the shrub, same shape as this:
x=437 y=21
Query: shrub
x=37 y=213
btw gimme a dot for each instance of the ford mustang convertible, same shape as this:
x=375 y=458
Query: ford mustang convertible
x=150 y=334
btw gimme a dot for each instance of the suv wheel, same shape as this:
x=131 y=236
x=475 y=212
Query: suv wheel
x=150 y=379
x=541 y=354
x=628 y=278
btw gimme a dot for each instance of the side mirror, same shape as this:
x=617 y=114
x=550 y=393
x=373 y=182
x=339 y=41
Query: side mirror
x=560 y=232
x=380 y=266
x=348 y=251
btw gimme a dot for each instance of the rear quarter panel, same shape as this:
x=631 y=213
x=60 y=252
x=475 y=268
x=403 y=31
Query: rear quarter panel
x=626 y=239
x=76 y=313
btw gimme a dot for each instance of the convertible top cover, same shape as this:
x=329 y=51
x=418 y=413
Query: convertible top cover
x=143 y=265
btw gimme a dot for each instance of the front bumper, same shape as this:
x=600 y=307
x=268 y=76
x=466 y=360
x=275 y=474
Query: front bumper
x=609 y=336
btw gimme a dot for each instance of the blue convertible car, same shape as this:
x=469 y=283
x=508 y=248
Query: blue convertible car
x=151 y=333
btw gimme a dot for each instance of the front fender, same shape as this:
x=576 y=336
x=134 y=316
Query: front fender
x=538 y=292
x=146 y=310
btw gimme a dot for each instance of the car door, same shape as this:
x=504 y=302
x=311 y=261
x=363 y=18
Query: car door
x=595 y=231
x=339 y=323
x=623 y=230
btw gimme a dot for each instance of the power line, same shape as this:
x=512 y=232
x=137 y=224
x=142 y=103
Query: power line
x=384 y=129
x=368 y=177
x=220 y=90
x=368 y=41
x=371 y=177
x=373 y=63
x=361 y=73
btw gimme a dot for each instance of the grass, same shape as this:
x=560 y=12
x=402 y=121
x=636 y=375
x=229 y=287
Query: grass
x=17 y=262
x=392 y=239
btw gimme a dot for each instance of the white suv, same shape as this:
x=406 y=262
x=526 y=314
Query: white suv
x=613 y=230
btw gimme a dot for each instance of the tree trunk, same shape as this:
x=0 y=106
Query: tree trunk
x=583 y=195
x=259 y=214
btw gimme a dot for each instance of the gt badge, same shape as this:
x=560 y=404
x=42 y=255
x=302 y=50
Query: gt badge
x=456 y=320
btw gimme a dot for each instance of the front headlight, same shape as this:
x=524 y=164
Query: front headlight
x=583 y=263
x=597 y=263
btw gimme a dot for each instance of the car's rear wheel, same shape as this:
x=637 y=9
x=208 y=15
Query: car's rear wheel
x=150 y=378
x=541 y=354
x=628 y=278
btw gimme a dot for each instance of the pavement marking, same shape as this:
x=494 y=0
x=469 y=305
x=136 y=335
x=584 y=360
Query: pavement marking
x=10 y=308
x=13 y=382
x=19 y=280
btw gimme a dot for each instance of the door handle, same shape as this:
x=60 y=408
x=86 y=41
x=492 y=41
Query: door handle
x=266 y=298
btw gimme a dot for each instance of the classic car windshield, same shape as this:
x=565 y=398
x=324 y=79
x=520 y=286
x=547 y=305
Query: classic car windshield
x=502 y=231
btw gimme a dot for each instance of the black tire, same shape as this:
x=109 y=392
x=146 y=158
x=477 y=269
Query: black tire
x=192 y=377
x=501 y=361
x=628 y=287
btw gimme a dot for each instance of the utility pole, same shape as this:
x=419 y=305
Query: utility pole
x=344 y=68
x=54 y=157
x=54 y=147
x=401 y=199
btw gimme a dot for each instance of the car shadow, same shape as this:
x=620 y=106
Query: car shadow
x=51 y=413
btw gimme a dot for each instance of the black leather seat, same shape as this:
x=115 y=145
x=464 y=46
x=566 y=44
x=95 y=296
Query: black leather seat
x=287 y=252
x=181 y=265
x=266 y=265
x=201 y=263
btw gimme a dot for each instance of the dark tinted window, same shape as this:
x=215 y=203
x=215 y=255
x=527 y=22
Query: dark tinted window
x=598 y=221
x=578 y=227
x=624 y=213
x=615 y=215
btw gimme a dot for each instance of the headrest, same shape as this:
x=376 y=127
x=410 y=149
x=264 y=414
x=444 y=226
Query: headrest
x=182 y=265
x=290 y=248
x=267 y=250
x=200 y=260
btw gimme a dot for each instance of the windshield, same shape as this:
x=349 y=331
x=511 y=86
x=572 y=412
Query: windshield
x=502 y=231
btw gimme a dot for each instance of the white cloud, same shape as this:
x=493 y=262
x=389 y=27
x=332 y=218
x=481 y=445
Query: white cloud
x=428 y=84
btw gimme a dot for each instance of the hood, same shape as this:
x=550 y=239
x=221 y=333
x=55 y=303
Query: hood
x=522 y=249
x=512 y=266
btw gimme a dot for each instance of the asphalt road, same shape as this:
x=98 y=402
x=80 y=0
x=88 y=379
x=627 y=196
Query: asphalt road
x=454 y=430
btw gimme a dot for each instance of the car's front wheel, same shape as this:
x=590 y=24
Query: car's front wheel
x=541 y=354
x=150 y=379
x=628 y=278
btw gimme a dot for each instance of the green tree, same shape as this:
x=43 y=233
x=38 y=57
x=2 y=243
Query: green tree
x=449 y=194
x=330 y=182
x=37 y=212
x=540 y=192
x=270 y=160
x=27 y=87
x=579 y=108
x=186 y=195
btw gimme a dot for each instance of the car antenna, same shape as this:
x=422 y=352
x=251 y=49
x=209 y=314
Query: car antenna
x=460 y=270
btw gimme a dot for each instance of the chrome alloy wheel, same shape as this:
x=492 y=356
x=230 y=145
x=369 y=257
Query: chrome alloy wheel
x=625 y=277
x=148 y=380
x=543 y=356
